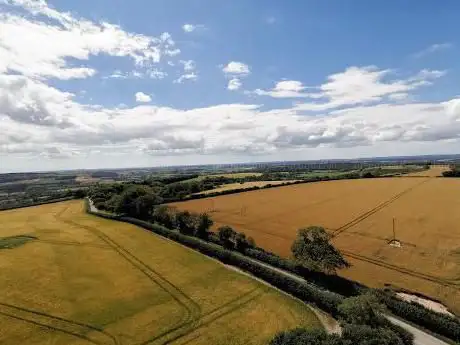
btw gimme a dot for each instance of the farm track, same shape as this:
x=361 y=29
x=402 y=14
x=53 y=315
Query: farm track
x=376 y=209
x=55 y=323
x=193 y=310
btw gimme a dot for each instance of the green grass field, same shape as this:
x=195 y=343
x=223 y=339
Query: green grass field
x=80 y=279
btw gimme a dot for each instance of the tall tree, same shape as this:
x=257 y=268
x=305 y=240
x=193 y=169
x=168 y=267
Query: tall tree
x=204 y=225
x=186 y=222
x=164 y=215
x=227 y=236
x=312 y=249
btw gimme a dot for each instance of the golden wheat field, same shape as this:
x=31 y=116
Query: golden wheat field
x=232 y=186
x=73 y=278
x=360 y=215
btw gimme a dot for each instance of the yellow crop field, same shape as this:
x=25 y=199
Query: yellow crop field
x=434 y=171
x=359 y=213
x=232 y=186
x=73 y=278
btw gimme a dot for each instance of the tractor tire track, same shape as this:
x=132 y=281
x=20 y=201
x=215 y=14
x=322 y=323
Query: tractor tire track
x=168 y=332
x=376 y=209
x=56 y=323
x=71 y=243
x=405 y=271
x=219 y=313
x=192 y=309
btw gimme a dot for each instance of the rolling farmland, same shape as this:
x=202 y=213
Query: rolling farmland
x=359 y=213
x=72 y=278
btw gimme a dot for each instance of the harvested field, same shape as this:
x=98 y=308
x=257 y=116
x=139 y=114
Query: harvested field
x=232 y=186
x=83 y=279
x=359 y=213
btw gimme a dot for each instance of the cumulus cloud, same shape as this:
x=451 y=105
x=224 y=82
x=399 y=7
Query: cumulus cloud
x=234 y=84
x=236 y=68
x=142 y=97
x=356 y=85
x=36 y=116
x=35 y=47
x=357 y=107
x=285 y=89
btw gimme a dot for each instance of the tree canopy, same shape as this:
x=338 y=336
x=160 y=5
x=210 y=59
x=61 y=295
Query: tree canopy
x=364 y=309
x=312 y=249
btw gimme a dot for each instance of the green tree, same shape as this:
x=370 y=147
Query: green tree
x=137 y=201
x=226 y=236
x=242 y=242
x=186 y=222
x=364 y=309
x=312 y=249
x=204 y=225
x=164 y=215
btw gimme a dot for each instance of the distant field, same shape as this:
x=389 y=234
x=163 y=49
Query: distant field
x=236 y=175
x=84 y=279
x=360 y=214
x=231 y=186
x=434 y=171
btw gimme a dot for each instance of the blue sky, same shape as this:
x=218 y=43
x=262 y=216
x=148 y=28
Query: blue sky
x=88 y=84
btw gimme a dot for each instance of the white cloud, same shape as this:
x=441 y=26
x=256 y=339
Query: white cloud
x=356 y=108
x=39 y=48
x=234 y=84
x=433 y=48
x=192 y=27
x=189 y=65
x=142 y=97
x=188 y=76
x=236 y=68
x=356 y=85
x=285 y=89
x=36 y=117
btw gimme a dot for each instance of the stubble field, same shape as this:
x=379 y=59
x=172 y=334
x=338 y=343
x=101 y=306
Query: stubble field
x=359 y=213
x=73 y=278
